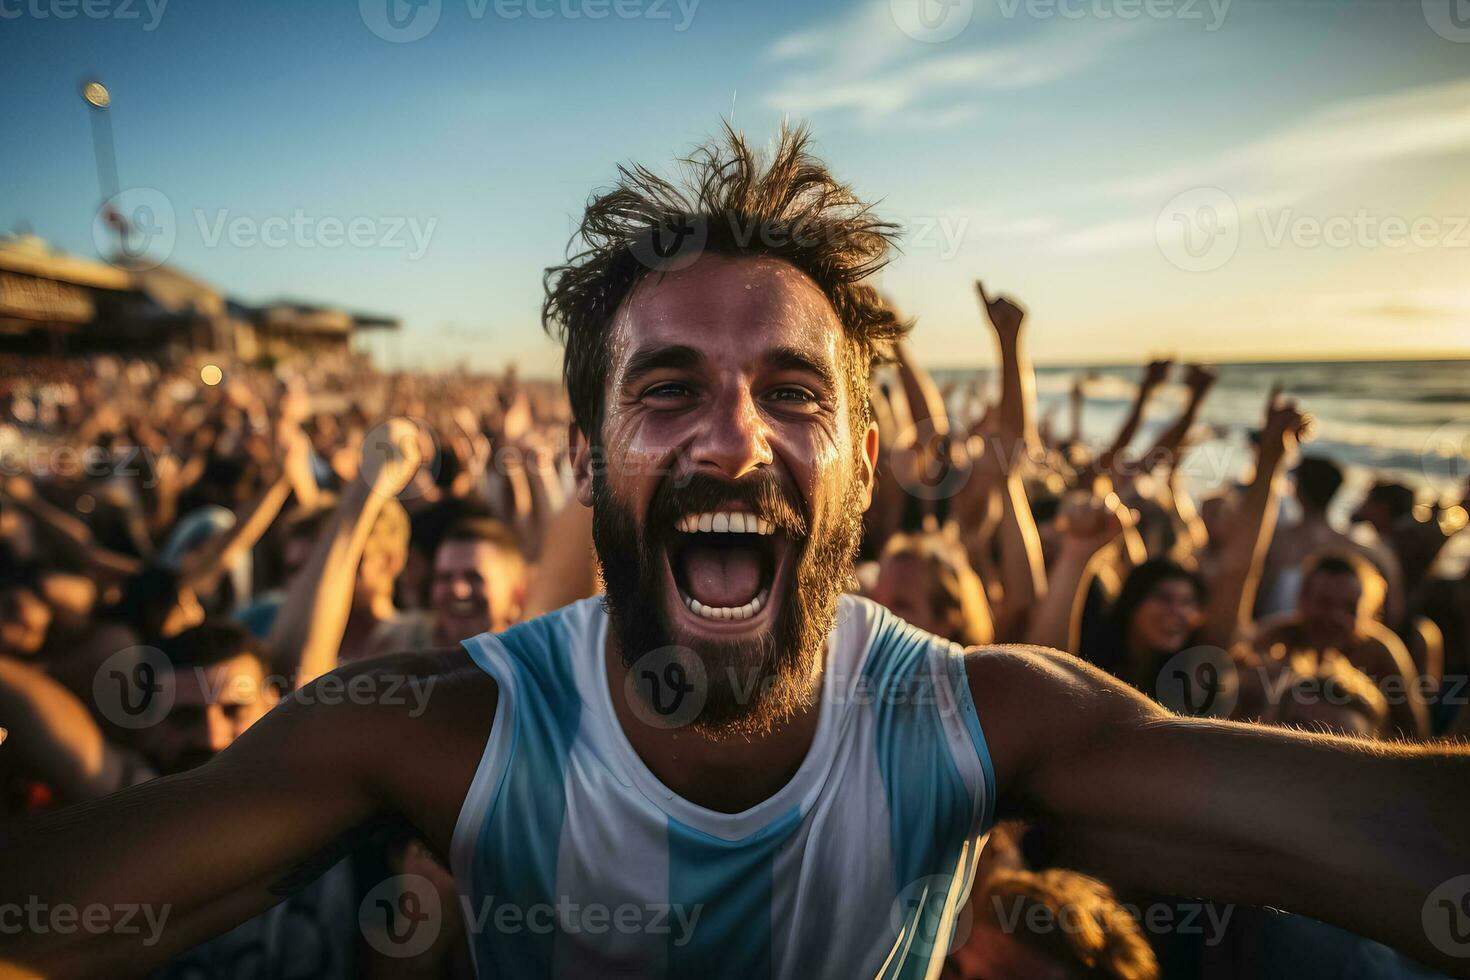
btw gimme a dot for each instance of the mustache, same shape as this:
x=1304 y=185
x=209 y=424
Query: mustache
x=762 y=493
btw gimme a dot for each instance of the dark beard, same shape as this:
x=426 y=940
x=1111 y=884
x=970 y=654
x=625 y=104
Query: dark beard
x=752 y=686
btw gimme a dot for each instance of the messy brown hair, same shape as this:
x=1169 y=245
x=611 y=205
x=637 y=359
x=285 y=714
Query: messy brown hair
x=1083 y=926
x=729 y=200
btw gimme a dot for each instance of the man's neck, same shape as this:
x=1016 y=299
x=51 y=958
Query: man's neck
x=728 y=775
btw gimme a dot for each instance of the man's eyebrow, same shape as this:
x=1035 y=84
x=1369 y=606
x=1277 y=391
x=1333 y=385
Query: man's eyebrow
x=796 y=359
x=648 y=359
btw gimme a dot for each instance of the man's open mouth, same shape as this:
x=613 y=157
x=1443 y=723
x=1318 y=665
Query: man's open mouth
x=726 y=565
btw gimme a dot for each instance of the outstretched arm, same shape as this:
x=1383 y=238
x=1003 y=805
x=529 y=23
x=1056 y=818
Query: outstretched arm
x=1233 y=593
x=567 y=569
x=307 y=635
x=1090 y=525
x=1023 y=569
x=209 y=848
x=1153 y=376
x=202 y=569
x=1017 y=374
x=1357 y=833
x=67 y=531
x=1169 y=444
x=926 y=404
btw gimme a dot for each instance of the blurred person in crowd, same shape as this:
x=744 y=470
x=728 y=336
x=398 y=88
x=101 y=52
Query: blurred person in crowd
x=1158 y=613
x=1330 y=696
x=1164 y=608
x=1049 y=925
x=159 y=710
x=1336 y=616
x=24 y=615
x=479 y=583
x=1390 y=509
x=927 y=581
x=1317 y=482
x=1386 y=506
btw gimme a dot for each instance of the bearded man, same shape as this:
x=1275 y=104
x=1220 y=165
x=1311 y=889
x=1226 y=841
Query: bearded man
x=727 y=766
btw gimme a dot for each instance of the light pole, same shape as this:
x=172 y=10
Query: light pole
x=99 y=101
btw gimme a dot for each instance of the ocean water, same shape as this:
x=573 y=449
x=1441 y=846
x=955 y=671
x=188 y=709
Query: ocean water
x=1403 y=420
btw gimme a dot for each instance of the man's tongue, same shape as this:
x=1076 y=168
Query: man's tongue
x=727 y=576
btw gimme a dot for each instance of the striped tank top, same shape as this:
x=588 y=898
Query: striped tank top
x=573 y=860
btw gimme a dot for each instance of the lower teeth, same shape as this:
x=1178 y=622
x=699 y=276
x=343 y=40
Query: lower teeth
x=728 y=612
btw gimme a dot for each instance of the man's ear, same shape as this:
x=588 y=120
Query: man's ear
x=869 y=462
x=582 y=462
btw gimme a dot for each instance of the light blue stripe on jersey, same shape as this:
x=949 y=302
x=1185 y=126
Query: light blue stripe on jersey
x=960 y=684
x=923 y=786
x=523 y=828
x=728 y=884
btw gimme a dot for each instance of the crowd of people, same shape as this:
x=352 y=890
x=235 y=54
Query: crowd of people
x=229 y=543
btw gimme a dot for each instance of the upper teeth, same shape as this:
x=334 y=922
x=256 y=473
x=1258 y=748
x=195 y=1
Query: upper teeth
x=725 y=522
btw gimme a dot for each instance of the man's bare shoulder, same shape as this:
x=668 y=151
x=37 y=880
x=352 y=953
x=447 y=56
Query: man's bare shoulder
x=1008 y=672
x=1032 y=700
x=432 y=685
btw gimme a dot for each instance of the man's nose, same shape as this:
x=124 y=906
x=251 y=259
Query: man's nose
x=460 y=589
x=734 y=438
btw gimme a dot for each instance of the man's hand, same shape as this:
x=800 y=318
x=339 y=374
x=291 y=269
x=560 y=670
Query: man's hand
x=1090 y=523
x=1156 y=373
x=1200 y=379
x=391 y=456
x=1005 y=316
x=1285 y=426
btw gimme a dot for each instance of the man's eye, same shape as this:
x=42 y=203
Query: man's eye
x=790 y=394
x=668 y=389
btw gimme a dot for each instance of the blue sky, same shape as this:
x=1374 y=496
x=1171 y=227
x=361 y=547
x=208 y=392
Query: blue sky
x=1316 y=153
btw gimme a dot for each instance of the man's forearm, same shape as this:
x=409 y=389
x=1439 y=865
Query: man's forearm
x=1234 y=590
x=1357 y=833
x=192 y=854
x=310 y=626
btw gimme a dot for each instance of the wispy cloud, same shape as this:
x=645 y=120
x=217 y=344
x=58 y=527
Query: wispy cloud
x=868 y=69
x=1349 y=135
x=1324 y=152
x=1416 y=304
